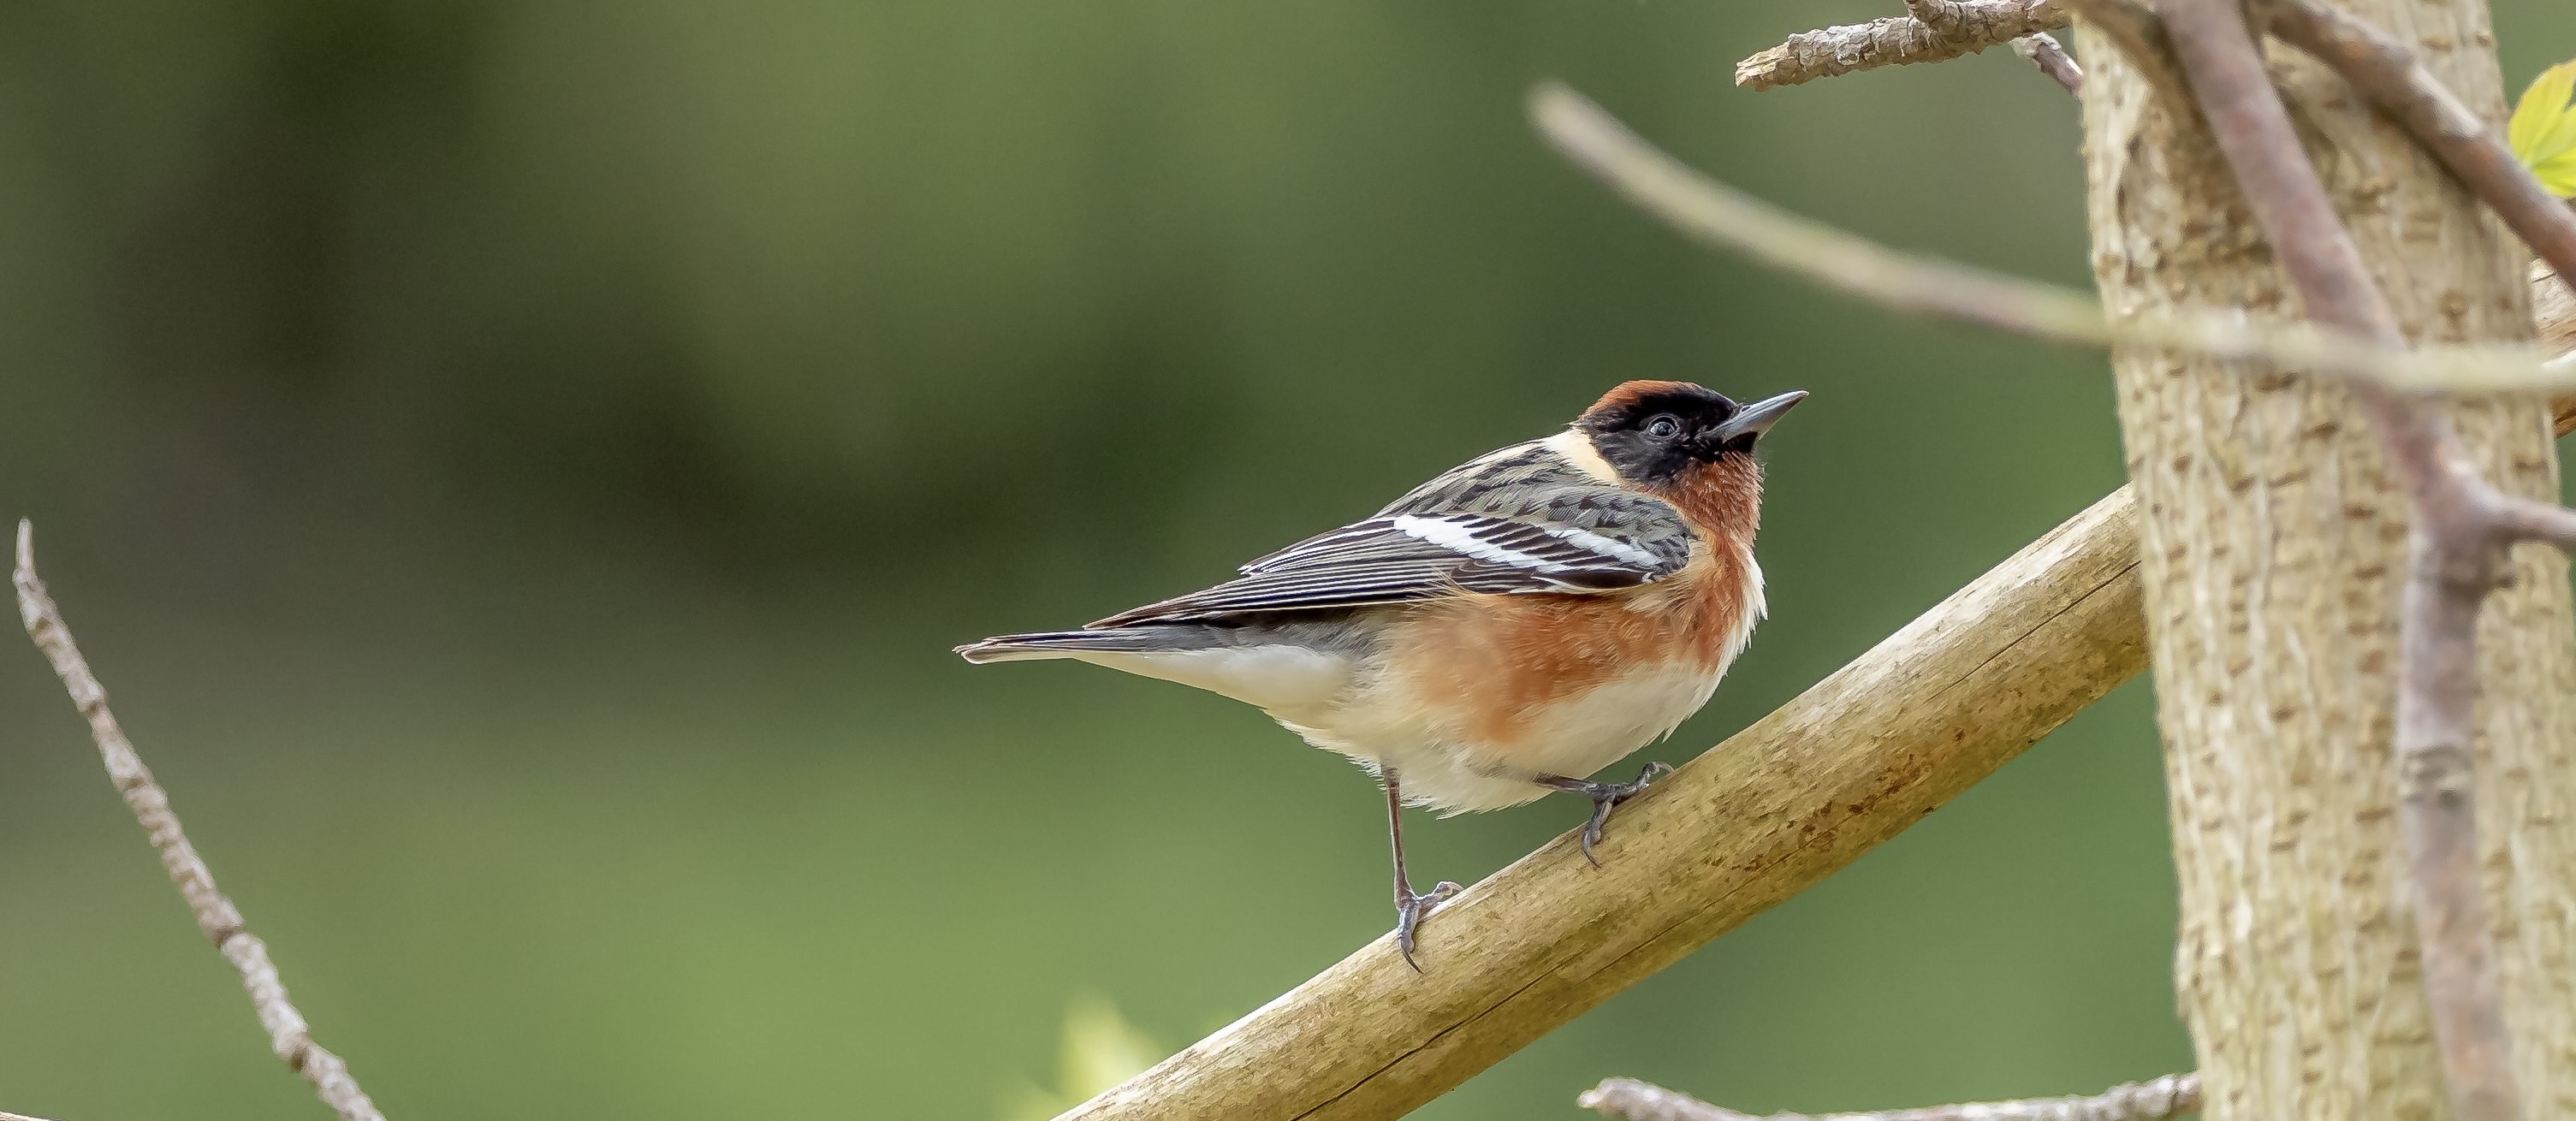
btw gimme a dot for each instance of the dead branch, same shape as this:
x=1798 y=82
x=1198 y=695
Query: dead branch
x=2156 y=1100
x=1719 y=215
x=1938 y=30
x=18 y=1117
x=2459 y=532
x=2045 y=52
x=220 y=921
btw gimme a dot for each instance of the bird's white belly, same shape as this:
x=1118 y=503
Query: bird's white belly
x=1603 y=726
x=1442 y=762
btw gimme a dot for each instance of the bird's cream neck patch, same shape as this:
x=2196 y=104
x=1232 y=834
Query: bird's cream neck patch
x=1577 y=449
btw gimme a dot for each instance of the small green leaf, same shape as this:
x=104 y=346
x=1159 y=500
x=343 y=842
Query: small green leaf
x=1100 y=1050
x=2543 y=129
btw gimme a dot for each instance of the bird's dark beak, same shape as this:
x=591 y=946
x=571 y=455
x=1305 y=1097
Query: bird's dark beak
x=1753 y=420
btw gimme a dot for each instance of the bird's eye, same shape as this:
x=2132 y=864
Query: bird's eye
x=1664 y=427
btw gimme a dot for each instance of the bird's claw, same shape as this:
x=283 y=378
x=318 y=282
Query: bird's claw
x=1409 y=910
x=1606 y=796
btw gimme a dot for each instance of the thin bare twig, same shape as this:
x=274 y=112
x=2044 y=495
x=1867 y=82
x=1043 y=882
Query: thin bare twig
x=2157 y=1100
x=2386 y=71
x=1937 y=31
x=2457 y=538
x=2045 y=52
x=220 y=921
x=1716 y=214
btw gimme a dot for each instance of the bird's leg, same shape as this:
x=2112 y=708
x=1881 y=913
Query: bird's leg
x=1605 y=796
x=1409 y=908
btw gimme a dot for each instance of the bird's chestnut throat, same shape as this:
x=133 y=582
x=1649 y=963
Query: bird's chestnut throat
x=1723 y=496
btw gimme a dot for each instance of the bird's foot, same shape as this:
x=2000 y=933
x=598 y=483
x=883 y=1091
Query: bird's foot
x=1606 y=797
x=1409 y=911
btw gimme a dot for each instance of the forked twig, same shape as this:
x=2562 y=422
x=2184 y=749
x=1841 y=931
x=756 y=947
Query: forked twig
x=2158 y=1099
x=220 y=921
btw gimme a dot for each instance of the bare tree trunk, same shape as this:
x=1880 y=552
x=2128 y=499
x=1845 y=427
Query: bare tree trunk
x=2271 y=541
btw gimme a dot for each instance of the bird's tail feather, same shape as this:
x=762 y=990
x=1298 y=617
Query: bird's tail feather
x=1074 y=644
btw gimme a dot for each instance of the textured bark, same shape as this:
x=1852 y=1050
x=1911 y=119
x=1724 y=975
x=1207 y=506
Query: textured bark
x=2272 y=547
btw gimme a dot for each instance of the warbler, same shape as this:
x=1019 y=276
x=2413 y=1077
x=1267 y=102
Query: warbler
x=1525 y=619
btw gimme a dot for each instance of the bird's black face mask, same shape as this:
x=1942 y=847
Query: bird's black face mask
x=1651 y=440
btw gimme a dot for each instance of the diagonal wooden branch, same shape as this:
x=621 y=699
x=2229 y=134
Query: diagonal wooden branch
x=2160 y=1099
x=1936 y=31
x=2459 y=530
x=217 y=918
x=1716 y=214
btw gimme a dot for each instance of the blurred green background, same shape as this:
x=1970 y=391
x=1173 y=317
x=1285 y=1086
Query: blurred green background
x=520 y=468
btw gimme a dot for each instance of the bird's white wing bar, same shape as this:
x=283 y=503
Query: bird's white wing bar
x=1485 y=539
x=1459 y=535
x=1489 y=540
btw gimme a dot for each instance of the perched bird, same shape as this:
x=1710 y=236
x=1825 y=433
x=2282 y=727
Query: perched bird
x=1501 y=631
